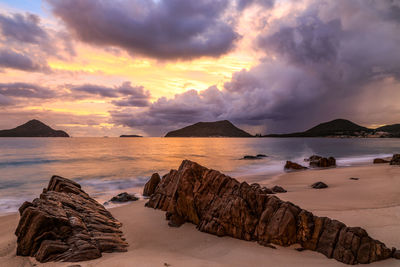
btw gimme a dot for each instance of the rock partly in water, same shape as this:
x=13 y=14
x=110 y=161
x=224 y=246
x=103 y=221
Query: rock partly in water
x=319 y=185
x=66 y=224
x=293 y=166
x=151 y=185
x=395 y=159
x=321 y=162
x=380 y=161
x=124 y=197
x=220 y=205
x=259 y=156
x=278 y=189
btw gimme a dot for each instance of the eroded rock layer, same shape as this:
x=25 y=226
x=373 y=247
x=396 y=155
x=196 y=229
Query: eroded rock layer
x=220 y=205
x=66 y=224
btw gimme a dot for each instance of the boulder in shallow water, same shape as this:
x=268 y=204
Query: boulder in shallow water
x=258 y=156
x=316 y=161
x=395 y=159
x=220 y=205
x=151 y=185
x=66 y=224
x=124 y=197
x=293 y=166
x=380 y=161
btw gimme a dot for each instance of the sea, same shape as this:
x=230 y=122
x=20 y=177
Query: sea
x=107 y=166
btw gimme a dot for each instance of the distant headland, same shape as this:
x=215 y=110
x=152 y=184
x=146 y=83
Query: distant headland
x=345 y=129
x=339 y=128
x=33 y=128
x=209 y=129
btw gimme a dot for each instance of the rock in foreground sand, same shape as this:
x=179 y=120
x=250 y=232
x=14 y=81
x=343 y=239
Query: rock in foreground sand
x=220 y=205
x=66 y=224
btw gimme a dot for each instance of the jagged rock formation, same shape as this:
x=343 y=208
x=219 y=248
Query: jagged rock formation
x=221 y=205
x=33 y=128
x=151 y=185
x=395 y=159
x=293 y=166
x=66 y=224
x=209 y=129
x=316 y=161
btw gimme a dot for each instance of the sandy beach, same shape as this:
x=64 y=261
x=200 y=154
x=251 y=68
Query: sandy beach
x=372 y=202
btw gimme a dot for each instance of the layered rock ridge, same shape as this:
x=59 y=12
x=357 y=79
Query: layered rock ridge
x=66 y=224
x=220 y=205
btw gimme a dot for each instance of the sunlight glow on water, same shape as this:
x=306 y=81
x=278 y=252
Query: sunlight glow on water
x=106 y=166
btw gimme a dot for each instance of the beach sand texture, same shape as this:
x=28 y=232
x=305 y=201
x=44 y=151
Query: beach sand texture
x=372 y=202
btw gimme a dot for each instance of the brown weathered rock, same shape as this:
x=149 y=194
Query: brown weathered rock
x=278 y=189
x=66 y=224
x=151 y=185
x=319 y=185
x=293 y=166
x=396 y=254
x=380 y=161
x=395 y=159
x=220 y=205
x=321 y=162
x=124 y=197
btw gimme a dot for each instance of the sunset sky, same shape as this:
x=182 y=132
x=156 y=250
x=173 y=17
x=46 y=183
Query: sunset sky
x=99 y=67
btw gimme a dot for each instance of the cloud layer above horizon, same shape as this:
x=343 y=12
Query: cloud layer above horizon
x=100 y=68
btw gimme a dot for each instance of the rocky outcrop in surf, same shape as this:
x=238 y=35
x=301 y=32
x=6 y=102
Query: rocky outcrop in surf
x=66 y=224
x=220 y=205
x=316 y=161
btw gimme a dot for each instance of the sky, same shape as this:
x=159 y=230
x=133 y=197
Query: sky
x=106 y=68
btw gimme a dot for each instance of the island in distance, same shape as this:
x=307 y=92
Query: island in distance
x=209 y=129
x=33 y=128
x=344 y=128
x=130 y=135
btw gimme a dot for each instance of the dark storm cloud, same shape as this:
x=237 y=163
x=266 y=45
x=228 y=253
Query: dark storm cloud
x=243 y=4
x=96 y=90
x=129 y=96
x=20 y=61
x=167 y=114
x=333 y=59
x=168 y=29
x=25 y=44
x=23 y=28
x=26 y=90
x=311 y=41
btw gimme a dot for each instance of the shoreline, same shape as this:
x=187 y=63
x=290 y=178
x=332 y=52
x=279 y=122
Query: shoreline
x=152 y=242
